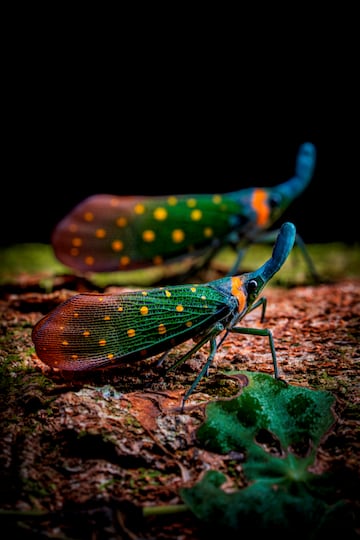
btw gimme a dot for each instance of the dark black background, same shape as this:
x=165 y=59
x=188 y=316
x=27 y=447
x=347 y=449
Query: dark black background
x=77 y=124
x=70 y=158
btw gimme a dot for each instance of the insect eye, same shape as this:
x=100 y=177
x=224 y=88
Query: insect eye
x=252 y=286
x=274 y=200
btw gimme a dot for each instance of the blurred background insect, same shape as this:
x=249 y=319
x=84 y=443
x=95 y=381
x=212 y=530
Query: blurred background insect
x=106 y=233
x=93 y=330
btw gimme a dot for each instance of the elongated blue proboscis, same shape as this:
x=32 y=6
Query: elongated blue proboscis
x=283 y=246
x=304 y=170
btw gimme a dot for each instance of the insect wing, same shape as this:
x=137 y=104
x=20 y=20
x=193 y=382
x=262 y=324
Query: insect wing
x=110 y=233
x=93 y=330
x=96 y=236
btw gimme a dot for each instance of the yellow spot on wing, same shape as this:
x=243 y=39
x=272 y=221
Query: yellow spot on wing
x=139 y=209
x=196 y=215
x=178 y=236
x=89 y=261
x=88 y=216
x=117 y=245
x=162 y=329
x=100 y=233
x=160 y=213
x=148 y=236
x=131 y=332
x=124 y=261
x=77 y=242
x=121 y=221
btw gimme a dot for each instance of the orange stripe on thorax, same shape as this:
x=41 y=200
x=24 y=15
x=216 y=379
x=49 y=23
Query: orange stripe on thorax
x=236 y=289
x=259 y=204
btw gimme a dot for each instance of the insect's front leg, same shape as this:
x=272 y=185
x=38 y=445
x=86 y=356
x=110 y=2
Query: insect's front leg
x=204 y=370
x=209 y=336
x=263 y=303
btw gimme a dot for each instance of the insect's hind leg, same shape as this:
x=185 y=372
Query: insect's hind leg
x=240 y=254
x=202 y=264
x=308 y=260
x=203 y=372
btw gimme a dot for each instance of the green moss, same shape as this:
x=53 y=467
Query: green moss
x=331 y=260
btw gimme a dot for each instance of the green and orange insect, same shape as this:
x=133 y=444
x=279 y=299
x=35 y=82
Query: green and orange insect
x=91 y=331
x=106 y=233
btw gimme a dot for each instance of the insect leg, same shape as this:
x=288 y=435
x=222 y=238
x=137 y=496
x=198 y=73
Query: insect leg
x=203 y=372
x=202 y=264
x=299 y=242
x=260 y=332
x=162 y=358
x=209 y=337
x=239 y=257
x=215 y=330
x=270 y=236
x=261 y=302
x=308 y=260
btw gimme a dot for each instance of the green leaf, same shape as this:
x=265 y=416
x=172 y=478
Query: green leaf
x=293 y=418
x=279 y=427
x=262 y=506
